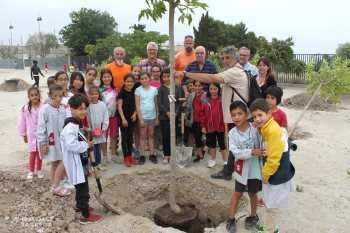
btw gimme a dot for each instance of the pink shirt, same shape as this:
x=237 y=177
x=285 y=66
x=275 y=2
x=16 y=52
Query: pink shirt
x=155 y=84
x=27 y=124
x=280 y=117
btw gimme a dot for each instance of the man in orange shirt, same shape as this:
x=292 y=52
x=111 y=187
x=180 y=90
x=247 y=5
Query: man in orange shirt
x=118 y=67
x=185 y=57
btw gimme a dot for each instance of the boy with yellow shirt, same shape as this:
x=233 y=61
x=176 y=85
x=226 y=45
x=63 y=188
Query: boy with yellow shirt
x=277 y=171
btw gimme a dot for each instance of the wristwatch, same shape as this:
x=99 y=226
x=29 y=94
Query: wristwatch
x=184 y=72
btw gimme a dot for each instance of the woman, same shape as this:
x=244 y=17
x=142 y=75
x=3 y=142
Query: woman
x=265 y=78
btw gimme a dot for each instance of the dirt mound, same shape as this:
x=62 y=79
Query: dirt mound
x=22 y=85
x=299 y=134
x=299 y=101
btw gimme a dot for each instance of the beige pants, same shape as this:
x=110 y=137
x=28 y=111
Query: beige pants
x=271 y=222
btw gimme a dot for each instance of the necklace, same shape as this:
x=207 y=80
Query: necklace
x=260 y=81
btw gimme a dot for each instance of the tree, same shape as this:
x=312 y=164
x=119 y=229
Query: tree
x=155 y=10
x=331 y=79
x=343 y=50
x=41 y=44
x=5 y=53
x=86 y=27
x=90 y=50
x=140 y=27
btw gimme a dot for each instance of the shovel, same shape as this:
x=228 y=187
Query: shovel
x=99 y=196
x=183 y=154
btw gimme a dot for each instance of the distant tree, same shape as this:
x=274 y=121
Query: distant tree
x=90 y=50
x=140 y=27
x=86 y=27
x=107 y=45
x=343 y=50
x=41 y=44
x=6 y=53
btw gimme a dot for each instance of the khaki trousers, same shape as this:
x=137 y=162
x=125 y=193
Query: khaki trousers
x=271 y=222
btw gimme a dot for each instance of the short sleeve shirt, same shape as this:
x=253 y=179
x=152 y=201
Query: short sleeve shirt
x=208 y=68
x=147 y=103
x=280 y=117
x=128 y=105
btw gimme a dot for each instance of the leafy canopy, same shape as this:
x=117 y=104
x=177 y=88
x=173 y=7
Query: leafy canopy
x=343 y=50
x=41 y=44
x=86 y=27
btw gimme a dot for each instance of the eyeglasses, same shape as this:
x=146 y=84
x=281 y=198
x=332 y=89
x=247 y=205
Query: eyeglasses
x=152 y=50
x=199 y=53
x=62 y=80
x=243 y=55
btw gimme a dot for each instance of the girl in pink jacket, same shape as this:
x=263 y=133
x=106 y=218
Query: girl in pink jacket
x=27 y=125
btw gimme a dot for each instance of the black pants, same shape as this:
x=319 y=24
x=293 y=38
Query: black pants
x=82 y=197
x=36 y=78
x=230 y=166
x=127 y=134
x=220 y=136
x=165 y=126
x=197 y=133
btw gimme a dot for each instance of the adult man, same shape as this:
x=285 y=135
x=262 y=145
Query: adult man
x=234 y=76
x=185 y=57
x=244 y=55
x=146 y=64
x=118 y=67
x=199 y=66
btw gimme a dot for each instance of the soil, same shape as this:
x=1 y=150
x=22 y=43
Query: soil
x=22 y=85
x=299 y=101
x=299 y=134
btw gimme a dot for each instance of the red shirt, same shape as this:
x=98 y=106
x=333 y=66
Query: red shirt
x=214 y=102
x=197 y=106
x=280 y=117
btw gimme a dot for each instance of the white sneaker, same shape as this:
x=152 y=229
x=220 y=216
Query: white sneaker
x=155 y=152
x=100 y=167
x=225 y=162
x=104 y=161
x=67 y=185
x=211 y=163
x=40 y=174
x=116 y=159
x=30 y=175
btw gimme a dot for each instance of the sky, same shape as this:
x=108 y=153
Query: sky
x=316 y=26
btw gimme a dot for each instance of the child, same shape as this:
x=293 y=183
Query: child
x=277 y=171
x=244 y=143
x=188 y=134
x=46 y=67
x=212 y=122
x=98 y=119
x=87 y=65
x=73 y=90
x=126 y=108
x=135 y=70
x=71 y=68
x=27 y=127
x=109 y=95
x=34 y=73
x=61 y=78
x=147 y=111
x=164 y=111
x=83 y=67
x=273 y=95
x=50 y=124
x=50 y=82
x=77 y=81
x=155 y=70
x=65 y=67
x=194 y=106
x=90 y=76
x=74 y=149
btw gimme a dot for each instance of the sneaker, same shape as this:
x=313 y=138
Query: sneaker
x=225 y=162
x=132 y=161
x=89 y=174
x=101 y=167
x=261 y=203
x=104 y=161
x=91 y=219
x=231 y=224
x=67 y=185
x=199 y=158
x=260 y=228
x=137 y=154
x=40 y=174
x=30 y=175
x=153 y=159
x=155 y=152
x=76 y=208
x=127 y=162
x=211 y=163
x=116 y=159
x=251 y=221
x=205 y=149
x=142 y=160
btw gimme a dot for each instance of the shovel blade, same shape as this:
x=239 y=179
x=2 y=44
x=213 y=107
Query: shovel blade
x=104 y=204
x=183 y=156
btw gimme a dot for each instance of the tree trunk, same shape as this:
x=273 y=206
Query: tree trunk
x=173 y=206
x=305 y=109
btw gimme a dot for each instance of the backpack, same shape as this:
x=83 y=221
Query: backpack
x=254 y=89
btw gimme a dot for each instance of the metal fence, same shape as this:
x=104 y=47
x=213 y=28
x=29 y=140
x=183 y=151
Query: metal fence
x=10 y=63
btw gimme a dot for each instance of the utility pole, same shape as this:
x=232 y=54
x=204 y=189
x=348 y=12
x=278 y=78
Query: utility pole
x=22 y=53
x=54 y=33
x=10 y=27
x=30 y=42
x=131 y=27
x=41 y=49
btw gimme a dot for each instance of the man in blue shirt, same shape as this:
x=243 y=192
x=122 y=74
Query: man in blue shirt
x=244 y=55
x=200 y=65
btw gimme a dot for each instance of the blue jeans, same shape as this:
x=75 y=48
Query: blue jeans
x=97 y=152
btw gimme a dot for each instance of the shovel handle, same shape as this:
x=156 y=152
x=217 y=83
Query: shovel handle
x=182 y=99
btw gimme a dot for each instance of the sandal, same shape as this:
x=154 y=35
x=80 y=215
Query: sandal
x=165 y=161
x=56 y=191
x=221 y=175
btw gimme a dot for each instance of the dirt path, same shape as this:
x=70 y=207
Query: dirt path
x=321 y=162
